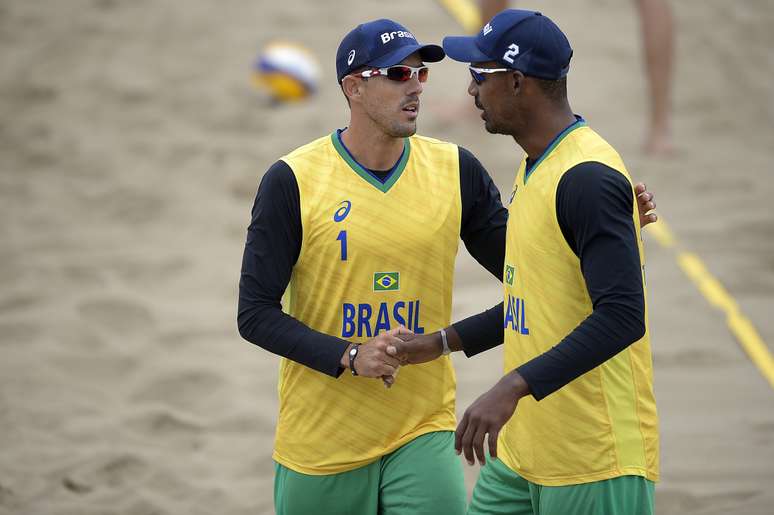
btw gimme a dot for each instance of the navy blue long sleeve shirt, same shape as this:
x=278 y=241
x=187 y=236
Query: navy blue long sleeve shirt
x=274 y=242
x=594 y=214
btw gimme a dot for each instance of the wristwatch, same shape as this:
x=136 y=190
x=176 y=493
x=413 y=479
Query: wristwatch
x=352 y=356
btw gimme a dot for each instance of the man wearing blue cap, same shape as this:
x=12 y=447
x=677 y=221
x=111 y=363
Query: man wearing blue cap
x=361 y=227
x=584 y=439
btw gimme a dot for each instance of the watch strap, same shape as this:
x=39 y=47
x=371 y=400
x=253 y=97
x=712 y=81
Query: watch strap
x=445 y=341
x=352 y=355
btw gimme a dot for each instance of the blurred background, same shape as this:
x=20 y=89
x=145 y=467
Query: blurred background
x=132 y=140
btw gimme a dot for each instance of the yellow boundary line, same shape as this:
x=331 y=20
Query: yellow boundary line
x=466 y=13
x=712 y=290
x=739 y=325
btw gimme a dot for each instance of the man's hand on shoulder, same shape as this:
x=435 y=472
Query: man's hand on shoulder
x=645 y=204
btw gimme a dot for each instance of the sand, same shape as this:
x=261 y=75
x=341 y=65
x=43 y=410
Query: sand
x=131 y=145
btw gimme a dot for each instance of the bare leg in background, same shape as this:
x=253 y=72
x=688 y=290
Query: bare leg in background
x=658 y=42
x=657 y=27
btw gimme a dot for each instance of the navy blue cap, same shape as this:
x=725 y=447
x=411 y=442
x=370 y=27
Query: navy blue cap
x=523 y=40
x=380 y=43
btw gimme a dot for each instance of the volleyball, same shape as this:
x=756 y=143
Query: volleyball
x=286 y=71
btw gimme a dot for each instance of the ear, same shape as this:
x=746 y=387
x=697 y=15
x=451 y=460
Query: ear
x=517 y=81
x=352 y=88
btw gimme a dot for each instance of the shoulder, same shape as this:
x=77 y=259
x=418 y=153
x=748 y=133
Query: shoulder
x=592 y=178
x=426 y=144
x=471 y=168
x=426 y=140
x=320 y=145
x=592 y=147
x=279 y=178
x=305 y=161
x=278 y=192
x=594 y=191
x=468 y=159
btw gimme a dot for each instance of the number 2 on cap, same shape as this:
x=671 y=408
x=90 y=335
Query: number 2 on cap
x=512 y=52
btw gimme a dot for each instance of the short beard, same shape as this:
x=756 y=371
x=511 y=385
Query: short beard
x=398 y=130
x=392 y=128
x=494 y=129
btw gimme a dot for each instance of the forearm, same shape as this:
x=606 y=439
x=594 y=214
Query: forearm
x=515 y=384
x=481 y=332
x=605 y=333
x=265 y=325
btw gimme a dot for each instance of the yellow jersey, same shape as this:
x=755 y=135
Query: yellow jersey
x=373 y=256
x=604 y=423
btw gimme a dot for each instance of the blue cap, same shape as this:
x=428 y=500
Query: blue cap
x=523 y=40
x=380 y=43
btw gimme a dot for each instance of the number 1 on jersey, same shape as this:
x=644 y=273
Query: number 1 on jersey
x=340 y=214
x=342 y=237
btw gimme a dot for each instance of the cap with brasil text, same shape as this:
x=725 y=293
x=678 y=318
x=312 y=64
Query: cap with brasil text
x=523 y=40
x=380 y=43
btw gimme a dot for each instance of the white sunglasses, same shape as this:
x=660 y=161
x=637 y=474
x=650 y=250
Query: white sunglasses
x=478 y=74
x=398 y=73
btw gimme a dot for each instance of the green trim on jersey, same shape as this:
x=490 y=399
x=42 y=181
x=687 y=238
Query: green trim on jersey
x=558 y=139
x=362 y=172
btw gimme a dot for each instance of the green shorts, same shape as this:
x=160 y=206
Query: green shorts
x=500 y=490
x=424 y=477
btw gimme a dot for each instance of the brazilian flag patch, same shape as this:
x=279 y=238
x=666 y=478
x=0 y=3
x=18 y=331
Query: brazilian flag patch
x=509 y=273
x=386 y=281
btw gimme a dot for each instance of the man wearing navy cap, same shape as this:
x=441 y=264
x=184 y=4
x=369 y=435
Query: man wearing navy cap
x=361 y=227
x=584 y=439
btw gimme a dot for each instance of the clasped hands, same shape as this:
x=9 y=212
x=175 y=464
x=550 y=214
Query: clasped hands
x=383 y=355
